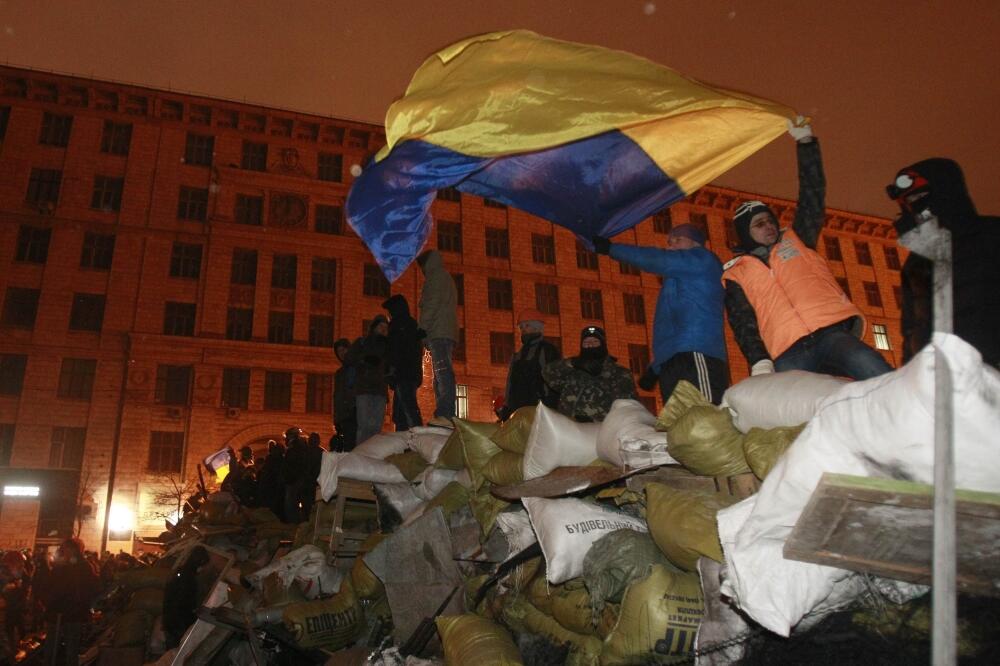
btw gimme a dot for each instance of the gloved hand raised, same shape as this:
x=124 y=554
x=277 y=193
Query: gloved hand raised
x=601 y=245
x=799 y=129
x=763 y=367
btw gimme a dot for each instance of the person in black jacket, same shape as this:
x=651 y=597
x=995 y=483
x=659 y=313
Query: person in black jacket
x=345 y=418
x=936 y=187
x=314 y=461
x=68 y=595
x=270 y=492
x=368 y=355
x=405 y=360
x=181 y=598
x=525 y=385
x=294 y=473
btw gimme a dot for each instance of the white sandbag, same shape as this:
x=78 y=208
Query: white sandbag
x=382 y=445
x=568 y=527
x=558 y=441
x=353 y=466
x=881 y=427
x=627 y=436
x=401 y=498
x=517 y=530
x=428 y=441
x=431 y=481
x=306 y=566
x=778 y=399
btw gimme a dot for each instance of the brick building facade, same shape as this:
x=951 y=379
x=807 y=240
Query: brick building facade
x=175 y=268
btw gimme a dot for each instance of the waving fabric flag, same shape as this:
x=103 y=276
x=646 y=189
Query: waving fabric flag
x=591 y=139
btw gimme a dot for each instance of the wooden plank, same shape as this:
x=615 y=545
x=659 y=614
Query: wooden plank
x=885 y=527
x=564 y=481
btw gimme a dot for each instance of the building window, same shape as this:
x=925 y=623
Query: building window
x=278 y=391
x=891 y=257
x=449 y=194
x=249 y=210
x=638 y=359
x=872 y=294
x=501 y=348
x=116 y=138
x=591 y=304
x=185 y=260
x=173 y=384
x=374 y=283
x=897 y=295
x=254 y=156
x=107 y=194
x=87 y=313
x=193 y=204
x=236 y=387
x=43 y=186
x=320 y=331
x=461 y=401
x=66 y=451
x=178 y=318
x=635 y=308
x=244 y=268
x=662 y=222
x=547 y=298
x=324 y=275
x=358 y=138
x=280 y=327
x=284 y=271
x=319 y=393
x=458 y=353
x=55 y=130
x=6 y=443
x=497 y=243
x=20 y=307
x=492 y=203
x=200 y=115
x=76 y=378
x=449 y=236
x=329 y=219
x=33 y=244
x=500 y=294
x=459 y=279
x=700 y=221
x=281 y=127
x=543 y=249
x=863 y=253
x=228 y=118
x=845 y=286
x=198 y=149
x=330 y=167
x=12 y=373
x=627 y=269
x=239 y=323
x=881 y=335
x=97 y=251
x=585 y=259
x=165 y=452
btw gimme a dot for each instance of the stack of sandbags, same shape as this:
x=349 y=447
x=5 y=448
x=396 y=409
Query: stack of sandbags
x=628 y=437
x=556 y=441
x=778 y=399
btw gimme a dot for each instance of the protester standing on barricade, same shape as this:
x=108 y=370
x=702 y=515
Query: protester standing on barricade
x=345 y=418
x=589 y=383
x=368 y=356
x=405 y=361
x=439 y=319
x=525 y=385
x=270 y=492
x=67 y=596
x=936 y=188
x=688 y=340
x=785 y=307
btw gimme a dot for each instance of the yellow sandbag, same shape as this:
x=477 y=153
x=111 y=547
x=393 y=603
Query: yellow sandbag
x=367 y=585
x=525 y=573
x=571 y=607
x=409 y=463
x=523 y=617
x=471 y=590
x=132 y=628
x=471 y=640
x=485 y=509
x=684 y=397
x=705 y=441
x=682 y=523
x=139 y=578
x=513 y=433
x=451 y=498
x=537 y=593
x=607 y=620
x=763 y=447
x=451 y=456
x=477 y=447
x=664 y=606
x=504 y=469
x=149 y=599
x=329 y=624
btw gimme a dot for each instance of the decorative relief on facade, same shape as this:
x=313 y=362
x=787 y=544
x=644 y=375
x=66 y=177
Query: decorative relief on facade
x=289 y=211
x=241 y=295
x=321 y=302
x=289 y=164
x=282 y=299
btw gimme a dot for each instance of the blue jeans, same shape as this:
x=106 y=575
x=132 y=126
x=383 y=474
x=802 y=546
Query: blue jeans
x=444 y=376
x=371 y=414
x=405 y=410
x=833 y=350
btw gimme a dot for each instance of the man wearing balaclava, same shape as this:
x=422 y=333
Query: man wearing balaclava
x=936 y=187
x=588 y=383
x=785 y=307
x=525 y=385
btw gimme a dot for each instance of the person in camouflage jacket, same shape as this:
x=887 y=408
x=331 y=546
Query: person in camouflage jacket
x=589 y=383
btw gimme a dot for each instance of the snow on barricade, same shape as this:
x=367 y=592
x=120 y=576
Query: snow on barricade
x=881 y=427
x=778 y=399
x=627 y=436
x=558 y=441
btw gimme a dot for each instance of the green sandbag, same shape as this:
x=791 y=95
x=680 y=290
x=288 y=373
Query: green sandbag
x=485 y=508
x=684 y=397
x=330 y=624
x=409 y=463
x=471 y=590
x=477 y=447
x=706 y=442
x=607 y=620
x=149 y=600
x=367 y=585
x=451 y=498
x=571 y=606
x=504 y=469
x=513 y=433
x=132 y=628
x=143 y=577
x=682 y=523
x=663 y=606
x=260 y=515
x=451 y=456
x=763 y=447
x=615 y=561
x=470 y=639
x=522 y=617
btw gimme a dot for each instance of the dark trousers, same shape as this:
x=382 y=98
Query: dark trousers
x=405 y=410
x=709 y=375
x=348 y=430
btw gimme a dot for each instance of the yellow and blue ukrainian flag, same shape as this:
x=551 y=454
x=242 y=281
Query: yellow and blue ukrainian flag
x=592 y=139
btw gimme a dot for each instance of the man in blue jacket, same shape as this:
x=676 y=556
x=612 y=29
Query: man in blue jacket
x=688 y=340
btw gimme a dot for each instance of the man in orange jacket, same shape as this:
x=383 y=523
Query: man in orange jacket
x=785 y=307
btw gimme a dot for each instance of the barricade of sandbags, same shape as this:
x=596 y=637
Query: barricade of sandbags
x=628 y=437
x=778 y=399
x=558 y=441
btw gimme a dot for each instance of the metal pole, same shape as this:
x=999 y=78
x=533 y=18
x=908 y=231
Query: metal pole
x=116 y=442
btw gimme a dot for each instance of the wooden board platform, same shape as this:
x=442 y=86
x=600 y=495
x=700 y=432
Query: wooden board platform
x=885 y=527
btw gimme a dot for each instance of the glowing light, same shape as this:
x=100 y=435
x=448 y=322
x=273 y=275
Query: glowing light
x=122 y=519
x=21 y=491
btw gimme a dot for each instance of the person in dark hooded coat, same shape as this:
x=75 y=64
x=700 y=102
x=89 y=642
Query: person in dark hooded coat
x=937 y=186
x=368 y=356
x=405 y=360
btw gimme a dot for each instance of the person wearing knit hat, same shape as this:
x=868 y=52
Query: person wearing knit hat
x=525 y=386
x=345 y=418
x=590 y=382
x=368 y=357
x=786 y=309
x=688 y=337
